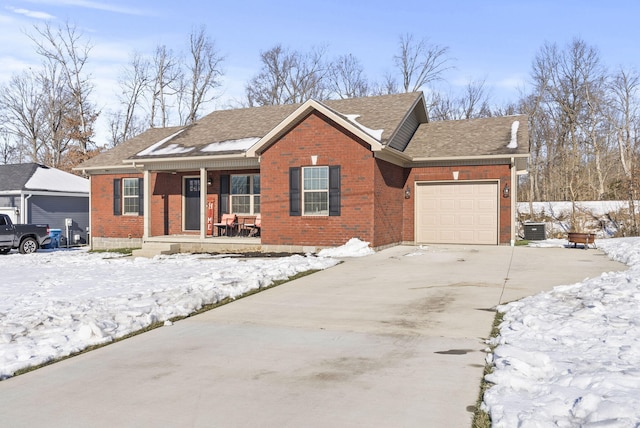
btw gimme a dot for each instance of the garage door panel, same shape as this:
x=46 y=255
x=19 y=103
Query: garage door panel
x=487 y=205
x=486 y=220
x=466 y=204
x=457 y=213
x=466 y=221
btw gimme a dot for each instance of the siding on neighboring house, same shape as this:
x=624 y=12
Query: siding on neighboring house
x=53 y=210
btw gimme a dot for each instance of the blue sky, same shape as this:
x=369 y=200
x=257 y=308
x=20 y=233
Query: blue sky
x=494 y=40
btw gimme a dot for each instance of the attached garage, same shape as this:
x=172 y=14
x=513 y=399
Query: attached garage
x=457 y=212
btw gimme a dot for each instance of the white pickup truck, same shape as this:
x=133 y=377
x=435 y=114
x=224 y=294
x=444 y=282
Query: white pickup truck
x=27 y=238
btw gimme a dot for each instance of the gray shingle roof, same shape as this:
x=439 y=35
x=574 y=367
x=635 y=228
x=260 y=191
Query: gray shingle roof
x=476 y=137
x=466 y=138
x=115 y=156
x=381 y=112
x=14 y=177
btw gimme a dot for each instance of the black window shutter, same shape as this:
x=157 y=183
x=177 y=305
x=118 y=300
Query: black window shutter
x=225 y=185
x=141 y=196
x=294 y=192
x=117 y=198
x=334 y=190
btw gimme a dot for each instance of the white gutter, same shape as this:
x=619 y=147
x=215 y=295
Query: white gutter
x=142 y=162
x=456 y=158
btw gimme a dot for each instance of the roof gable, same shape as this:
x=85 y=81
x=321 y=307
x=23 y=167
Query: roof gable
x=349 y=122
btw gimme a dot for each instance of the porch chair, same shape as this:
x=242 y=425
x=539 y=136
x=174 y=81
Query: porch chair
x=255 y=227
x=227 y=223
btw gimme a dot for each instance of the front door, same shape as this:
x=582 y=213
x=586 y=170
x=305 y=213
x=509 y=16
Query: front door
x=192 y=203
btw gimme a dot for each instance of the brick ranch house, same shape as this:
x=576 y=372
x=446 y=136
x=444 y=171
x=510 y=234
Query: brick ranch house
x=317 y=173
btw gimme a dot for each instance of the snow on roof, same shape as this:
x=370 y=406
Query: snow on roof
x=171 y=149
x=513 y=144
x=231 y=145
x=375 y=133
x=55 y=180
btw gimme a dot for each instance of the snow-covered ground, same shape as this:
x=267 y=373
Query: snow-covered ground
x=571 y=357
x=565 y=358
x=57 y=302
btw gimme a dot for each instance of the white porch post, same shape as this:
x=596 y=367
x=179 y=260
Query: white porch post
x=146 y=200
x=514 y=200
x=203 y=203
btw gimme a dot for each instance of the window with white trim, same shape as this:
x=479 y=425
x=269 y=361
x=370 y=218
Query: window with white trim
x=245 y=194
x=315 y=190
x=130 y=196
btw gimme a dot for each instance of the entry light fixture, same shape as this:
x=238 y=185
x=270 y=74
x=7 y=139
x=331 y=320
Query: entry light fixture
x=506 y=190
x=407 y=193
x=209 y=181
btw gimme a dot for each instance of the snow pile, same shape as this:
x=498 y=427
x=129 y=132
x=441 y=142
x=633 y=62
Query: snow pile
x=230 y=145
x=53 y=179
x=571 y=356
x=58 y=302
x=513 y=144
x=375 y=133
x=172 y=149
x=353 y=248
x=605 y=218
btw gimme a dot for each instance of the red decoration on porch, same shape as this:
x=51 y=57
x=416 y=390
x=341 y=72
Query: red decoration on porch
x=211 y=208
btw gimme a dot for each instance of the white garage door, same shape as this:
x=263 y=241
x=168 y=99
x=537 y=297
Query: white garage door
x=457 y=213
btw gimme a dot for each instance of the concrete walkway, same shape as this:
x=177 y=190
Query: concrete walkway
x=390 y=340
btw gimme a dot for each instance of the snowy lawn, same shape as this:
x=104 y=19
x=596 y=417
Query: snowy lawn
x=571 y=357
x=55 y=303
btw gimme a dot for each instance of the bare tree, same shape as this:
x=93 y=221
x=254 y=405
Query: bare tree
x=472 y=104
x=288 y=77
x=65 y=48
x=203 y=74
x=420 y=63
x=388 y=86
x=9 y=152
x=346 y=78
x=22 y=104
x=166 y=76
x=625 y=87
x=134 y=83
x=58 y=118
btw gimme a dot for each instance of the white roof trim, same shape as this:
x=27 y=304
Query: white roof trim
x=303 y=110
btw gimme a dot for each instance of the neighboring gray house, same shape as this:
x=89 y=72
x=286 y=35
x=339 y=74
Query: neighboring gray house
x=34 y=193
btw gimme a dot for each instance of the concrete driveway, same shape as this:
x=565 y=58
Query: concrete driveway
x=390 y=340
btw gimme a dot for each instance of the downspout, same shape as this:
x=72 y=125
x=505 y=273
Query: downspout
x=24 y=215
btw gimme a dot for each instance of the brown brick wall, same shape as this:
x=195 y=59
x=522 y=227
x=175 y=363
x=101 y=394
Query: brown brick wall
x=390 y=181
x=373 y=207
x=166 y=204
x=317 y=135
x=103 y=223
x=483 y=172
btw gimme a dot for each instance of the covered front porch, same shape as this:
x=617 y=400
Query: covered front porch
x=183 y=204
